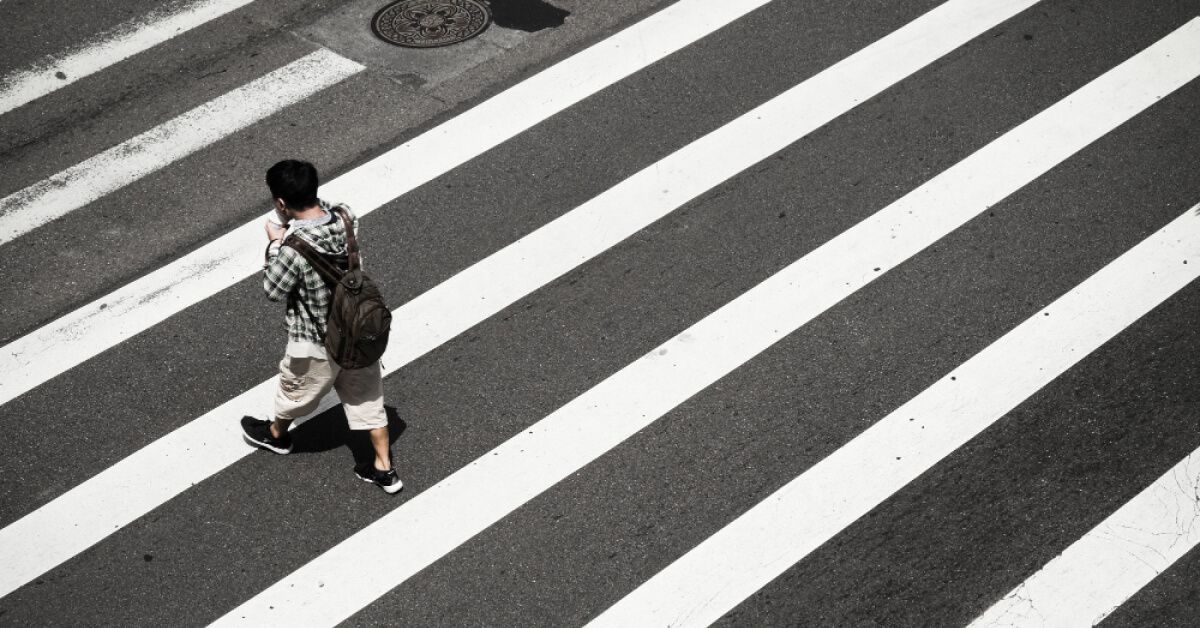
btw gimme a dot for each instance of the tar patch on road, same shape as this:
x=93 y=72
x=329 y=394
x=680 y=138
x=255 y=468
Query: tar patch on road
x=527 y=15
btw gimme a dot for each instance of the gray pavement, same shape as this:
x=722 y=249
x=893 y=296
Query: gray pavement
x=939 y=552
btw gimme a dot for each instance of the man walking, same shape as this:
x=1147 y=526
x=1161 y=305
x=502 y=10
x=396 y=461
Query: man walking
x=306 y=372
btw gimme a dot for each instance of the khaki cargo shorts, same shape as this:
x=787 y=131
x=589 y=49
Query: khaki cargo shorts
x=304 y=381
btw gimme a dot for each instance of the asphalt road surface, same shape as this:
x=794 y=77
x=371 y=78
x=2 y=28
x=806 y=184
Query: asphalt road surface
x=755 y=313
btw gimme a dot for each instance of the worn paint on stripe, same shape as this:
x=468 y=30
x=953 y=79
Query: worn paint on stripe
x=171 y=141
x=337 y=584
x=110 y=48
x=147 y=301
x=1113 y=561
x=725 y=569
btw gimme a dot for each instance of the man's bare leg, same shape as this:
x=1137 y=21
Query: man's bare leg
x=383 y=448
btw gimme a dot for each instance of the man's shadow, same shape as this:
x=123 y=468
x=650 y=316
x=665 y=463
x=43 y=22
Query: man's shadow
x=329 y=430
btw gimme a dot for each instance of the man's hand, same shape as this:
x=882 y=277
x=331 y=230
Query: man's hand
x=274 y=231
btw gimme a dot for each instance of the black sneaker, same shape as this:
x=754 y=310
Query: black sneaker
x=386 y=480
x=257 y=432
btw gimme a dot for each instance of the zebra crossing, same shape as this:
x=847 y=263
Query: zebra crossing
x=328 y=581
x=700 y=587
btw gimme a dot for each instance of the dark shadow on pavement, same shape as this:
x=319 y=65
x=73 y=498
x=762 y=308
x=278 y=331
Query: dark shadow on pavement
x=328 y=430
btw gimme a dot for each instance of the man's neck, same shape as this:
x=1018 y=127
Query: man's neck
x=309 y=213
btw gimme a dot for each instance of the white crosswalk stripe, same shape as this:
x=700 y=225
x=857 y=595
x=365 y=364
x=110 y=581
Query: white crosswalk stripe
x=710 y=578
x=175 y=139
x=1114 y=560
x=55 y=72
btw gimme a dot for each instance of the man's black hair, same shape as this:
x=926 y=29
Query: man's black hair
x=295 y=182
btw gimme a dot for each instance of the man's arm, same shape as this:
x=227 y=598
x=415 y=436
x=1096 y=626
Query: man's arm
x=281 y=272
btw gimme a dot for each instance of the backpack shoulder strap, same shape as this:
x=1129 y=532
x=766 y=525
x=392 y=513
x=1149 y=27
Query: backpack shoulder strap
x=324 y=268
x=351 y=239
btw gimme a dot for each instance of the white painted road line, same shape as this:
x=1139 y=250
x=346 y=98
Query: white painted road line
x=56 y=71
x=147 y=301
x=728 y=567
x=338 y=583
x=75 y=520
x=1112 y=562
x=171 y=141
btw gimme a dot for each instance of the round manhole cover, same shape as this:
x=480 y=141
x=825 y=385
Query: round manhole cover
x=430 y=23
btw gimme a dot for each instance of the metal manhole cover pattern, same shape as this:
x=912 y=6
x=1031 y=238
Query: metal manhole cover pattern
x=430 y=23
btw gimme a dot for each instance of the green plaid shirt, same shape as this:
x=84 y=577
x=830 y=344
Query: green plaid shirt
x=287 y=275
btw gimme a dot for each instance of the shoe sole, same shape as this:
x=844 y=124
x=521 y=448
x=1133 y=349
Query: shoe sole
x=395 y=488
x=260 y=445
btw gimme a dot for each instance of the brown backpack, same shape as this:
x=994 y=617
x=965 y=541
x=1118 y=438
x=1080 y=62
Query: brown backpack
x=357 y=328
